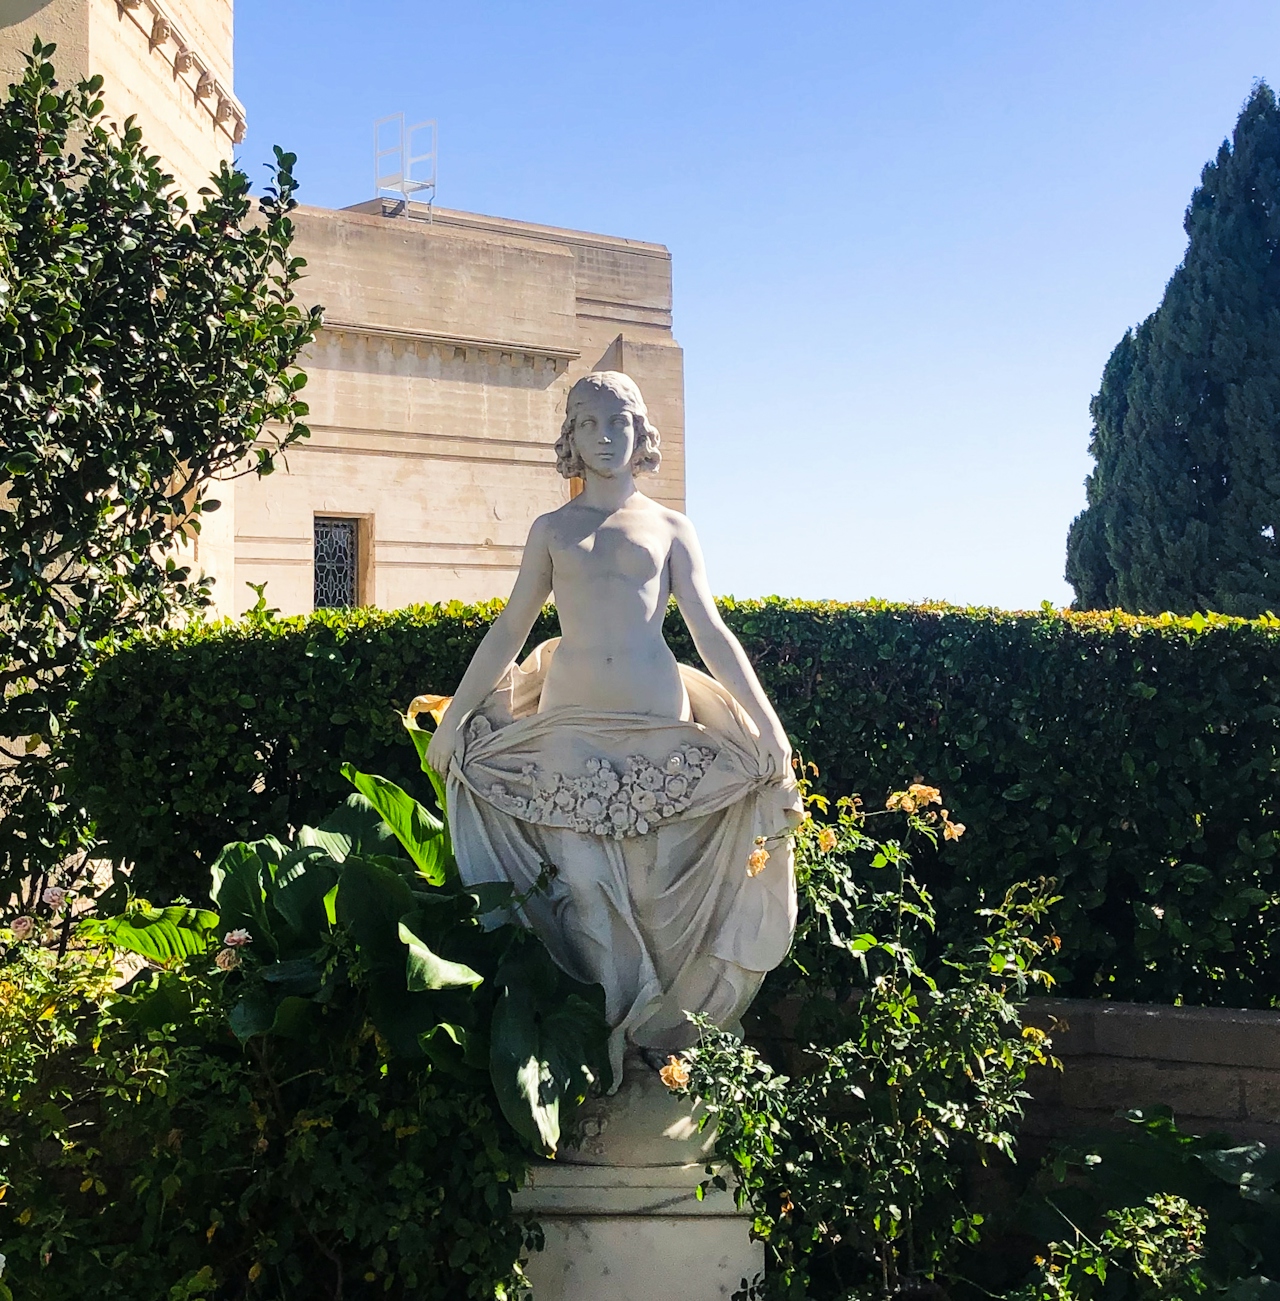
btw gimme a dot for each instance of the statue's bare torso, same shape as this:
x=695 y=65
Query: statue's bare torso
x=610 y=575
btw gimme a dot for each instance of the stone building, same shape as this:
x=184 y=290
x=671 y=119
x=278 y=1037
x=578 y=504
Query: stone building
x=437 y=385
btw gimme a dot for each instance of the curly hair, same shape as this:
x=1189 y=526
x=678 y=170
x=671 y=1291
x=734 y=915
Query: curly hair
x=646 y=458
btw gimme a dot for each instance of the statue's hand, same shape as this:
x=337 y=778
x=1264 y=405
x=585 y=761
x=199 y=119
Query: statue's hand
x=440 y=750
x=778 y=747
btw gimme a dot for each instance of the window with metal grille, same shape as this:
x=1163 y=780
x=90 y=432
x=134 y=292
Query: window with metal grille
x=337 y=547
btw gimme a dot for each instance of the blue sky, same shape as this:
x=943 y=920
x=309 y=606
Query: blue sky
x=905 y=236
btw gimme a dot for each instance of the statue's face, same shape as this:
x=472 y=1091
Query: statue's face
x=604 y=433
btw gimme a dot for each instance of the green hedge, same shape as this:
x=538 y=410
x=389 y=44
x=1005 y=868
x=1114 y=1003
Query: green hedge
x=1133 y=759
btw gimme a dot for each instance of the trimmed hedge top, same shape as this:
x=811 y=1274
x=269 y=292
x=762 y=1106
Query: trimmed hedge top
x=1133 y=759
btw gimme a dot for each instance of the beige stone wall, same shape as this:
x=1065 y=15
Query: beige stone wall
x=63 y=22
x=177 y=122
x=437 y=391
x=1218 y=1068
x=152 y=54
x=623 y=306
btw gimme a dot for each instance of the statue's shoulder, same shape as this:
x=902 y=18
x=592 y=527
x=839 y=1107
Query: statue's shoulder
x=557 y=523
x=672 y=518
x=679 y=524
x=553 y=519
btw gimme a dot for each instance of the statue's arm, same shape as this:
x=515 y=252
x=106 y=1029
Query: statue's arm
x=721 y=651
x=501 y=644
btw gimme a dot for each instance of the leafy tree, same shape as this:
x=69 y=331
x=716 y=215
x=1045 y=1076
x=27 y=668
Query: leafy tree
x=147 y=346
x=1184 y=503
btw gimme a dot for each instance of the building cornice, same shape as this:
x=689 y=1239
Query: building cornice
x=500 y=351
x=165 y=38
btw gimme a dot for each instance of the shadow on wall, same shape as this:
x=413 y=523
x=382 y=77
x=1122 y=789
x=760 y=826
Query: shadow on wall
x=490 y=365
x=17 y=11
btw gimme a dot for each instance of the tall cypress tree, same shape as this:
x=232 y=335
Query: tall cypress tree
x=1184 y=503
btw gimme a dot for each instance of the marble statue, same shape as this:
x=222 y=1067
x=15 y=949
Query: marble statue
x=663 y=797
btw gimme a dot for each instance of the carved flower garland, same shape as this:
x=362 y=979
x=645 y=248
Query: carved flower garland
x=606 y=802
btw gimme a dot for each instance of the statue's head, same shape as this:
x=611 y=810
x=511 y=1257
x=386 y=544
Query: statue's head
x=605 y=405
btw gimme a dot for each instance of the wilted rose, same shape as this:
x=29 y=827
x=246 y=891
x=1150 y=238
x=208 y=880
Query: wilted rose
x=756 y=861
x=227 y=960
x=826 y=839
x=675 y=1074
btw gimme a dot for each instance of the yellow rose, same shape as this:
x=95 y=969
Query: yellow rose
x=826 y=840
x=755 y=863
x=433 y=705
x=675 y=1075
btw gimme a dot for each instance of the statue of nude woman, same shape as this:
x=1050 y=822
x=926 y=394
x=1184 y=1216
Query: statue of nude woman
x=662 y=796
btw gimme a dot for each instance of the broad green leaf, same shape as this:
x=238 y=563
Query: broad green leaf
x=270 y=852
x=548 y=1046
x=159 y=934
x=156 y=1000
x=238 y=890
x=302 y=881
x=1234 y=1165
x=492 y=895
x=421 y=740
x=1257 y=1288
x=354 y=827
x=295 y=1017
x=402 y=1016
x=419 y=831
x=427 y=970
x=456 y=1050
x=254 y=1014
x=296 y=976
x=371 y=901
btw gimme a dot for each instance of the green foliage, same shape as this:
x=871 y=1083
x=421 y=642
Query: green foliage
x=1133 y=760
x=1234 y=1186
x=853 y=1159
x=146 y=346
x=338 y=1103
x=1149 y=1251
x=444 y=982
x=1184 y=503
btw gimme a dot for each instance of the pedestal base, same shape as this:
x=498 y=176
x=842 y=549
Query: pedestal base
x=636 y=1233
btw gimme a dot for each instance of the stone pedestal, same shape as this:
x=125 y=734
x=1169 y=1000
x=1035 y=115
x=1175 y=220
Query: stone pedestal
x=620 y=1212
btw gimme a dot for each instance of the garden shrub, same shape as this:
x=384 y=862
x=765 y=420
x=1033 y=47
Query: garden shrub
x=337 y=1104
x=1233 y=1185
x=1145 y=1253
x=1130 y=1213
x=904 y=1067
x=1133 y=760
